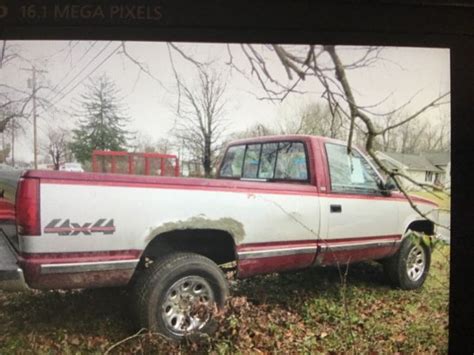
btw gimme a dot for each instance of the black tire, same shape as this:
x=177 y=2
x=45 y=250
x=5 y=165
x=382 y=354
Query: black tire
x=403 y=269
x=189 y=276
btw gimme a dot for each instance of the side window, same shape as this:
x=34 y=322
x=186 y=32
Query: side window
x=268 y=160
x=252 y=157
x=349 y=173
x=232 y=164
x=291 y=162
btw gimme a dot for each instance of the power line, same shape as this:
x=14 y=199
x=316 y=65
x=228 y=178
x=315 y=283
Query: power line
x=70 y=90
x=80 y=72
x=87 y=50
x=69 y=72
x=92 y=72
x=49 y=56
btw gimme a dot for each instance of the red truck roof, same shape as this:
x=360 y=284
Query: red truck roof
x=291 y=137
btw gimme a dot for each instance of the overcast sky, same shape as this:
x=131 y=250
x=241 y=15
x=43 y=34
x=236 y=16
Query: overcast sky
x=402 y=73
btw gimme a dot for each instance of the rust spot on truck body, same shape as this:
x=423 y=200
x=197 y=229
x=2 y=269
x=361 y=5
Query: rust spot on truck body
x=226 y=224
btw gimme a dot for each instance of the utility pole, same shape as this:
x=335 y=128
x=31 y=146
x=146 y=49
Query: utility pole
x=33 y=70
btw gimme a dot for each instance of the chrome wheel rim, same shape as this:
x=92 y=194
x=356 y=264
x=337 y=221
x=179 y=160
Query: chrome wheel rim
x=182 y=311
x=416 y=263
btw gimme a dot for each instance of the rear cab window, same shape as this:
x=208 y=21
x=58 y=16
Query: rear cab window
x=270 y=161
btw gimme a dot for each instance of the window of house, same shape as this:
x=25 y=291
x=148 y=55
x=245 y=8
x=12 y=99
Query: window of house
x=269 y=161
x=350 y=173
x=428 y=176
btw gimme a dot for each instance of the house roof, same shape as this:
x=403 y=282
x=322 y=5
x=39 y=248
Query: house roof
x=438 y=158
x=414 y=161
x=390 y=165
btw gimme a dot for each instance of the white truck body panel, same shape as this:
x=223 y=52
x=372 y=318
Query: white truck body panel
x=290 y=217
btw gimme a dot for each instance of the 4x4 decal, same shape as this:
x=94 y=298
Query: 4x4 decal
x=103 y=225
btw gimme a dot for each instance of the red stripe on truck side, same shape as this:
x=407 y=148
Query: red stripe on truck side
x=258 y=258
x=31 y=263
x=273 y=245
x=71 y=257
x=394 y=237
x=362 y=254
x=314 y=242
x=250 y=267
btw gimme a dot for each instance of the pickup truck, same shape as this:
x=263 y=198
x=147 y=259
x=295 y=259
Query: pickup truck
x=279 y=203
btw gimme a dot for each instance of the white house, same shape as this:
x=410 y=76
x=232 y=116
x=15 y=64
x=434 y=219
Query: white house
x=441 y=160
x=430 y=168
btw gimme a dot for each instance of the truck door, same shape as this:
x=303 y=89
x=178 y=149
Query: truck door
x=361 y=223
x=281 y=214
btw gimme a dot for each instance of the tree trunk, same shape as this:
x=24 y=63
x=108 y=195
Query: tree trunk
x=207 y=157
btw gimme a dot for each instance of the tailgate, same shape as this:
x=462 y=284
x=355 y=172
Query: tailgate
x=8 y=185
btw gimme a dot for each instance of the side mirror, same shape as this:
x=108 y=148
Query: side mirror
x=387 y=187
x=390 y=185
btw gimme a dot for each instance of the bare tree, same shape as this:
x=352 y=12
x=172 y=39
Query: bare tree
x=7 y=53
x=201 y=116
x=10 y=135
x=428 y=134
x=15 y=101
x=4 y=151
x=436 y=136
x=57 y=146
x=256 y=130
x=325 y=64
x=13 y=105
x=388 y=140
x=145 y=143
x=314 y=118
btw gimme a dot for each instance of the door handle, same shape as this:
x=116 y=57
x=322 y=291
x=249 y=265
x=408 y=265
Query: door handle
x=336 y=208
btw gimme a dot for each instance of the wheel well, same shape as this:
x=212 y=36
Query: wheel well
x=424 y=226
x=217 y=245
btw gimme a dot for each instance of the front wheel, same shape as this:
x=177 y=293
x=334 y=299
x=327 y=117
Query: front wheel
x=176 y=295
x=409 y=267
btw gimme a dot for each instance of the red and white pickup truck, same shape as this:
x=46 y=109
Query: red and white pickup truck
x=279 y=203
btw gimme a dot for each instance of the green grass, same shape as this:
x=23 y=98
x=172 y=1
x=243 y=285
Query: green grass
x=294 y=312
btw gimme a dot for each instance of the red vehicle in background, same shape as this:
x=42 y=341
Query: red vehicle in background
x=135 y=163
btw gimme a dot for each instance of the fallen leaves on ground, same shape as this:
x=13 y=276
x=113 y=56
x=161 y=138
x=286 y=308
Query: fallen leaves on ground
x=283 y=313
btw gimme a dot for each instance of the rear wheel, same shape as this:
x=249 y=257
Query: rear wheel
x=409 y=267
x=176 y=295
